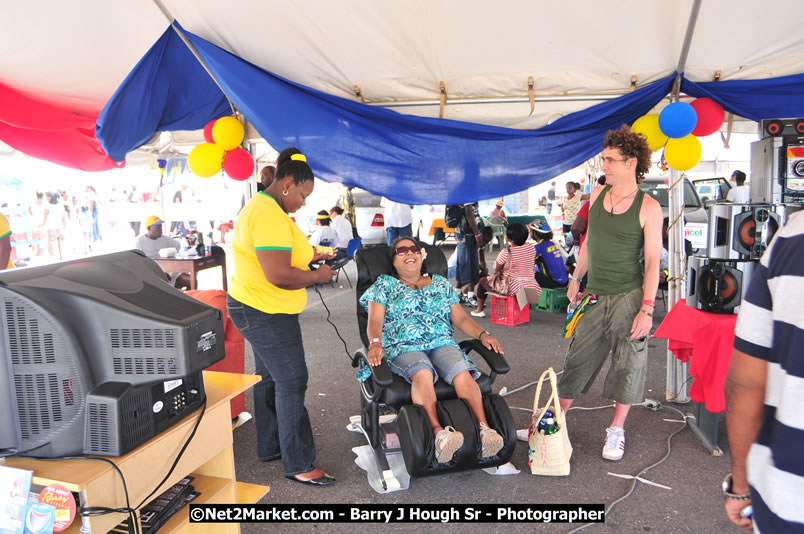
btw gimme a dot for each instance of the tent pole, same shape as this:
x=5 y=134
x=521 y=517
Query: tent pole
x=677 y=385
x=171 y=19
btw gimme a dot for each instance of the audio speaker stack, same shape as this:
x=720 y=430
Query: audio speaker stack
x=742 y=231
x=781 y=127
x=718 y=286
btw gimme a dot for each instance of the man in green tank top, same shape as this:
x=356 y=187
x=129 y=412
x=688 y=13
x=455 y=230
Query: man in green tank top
x=622 y=221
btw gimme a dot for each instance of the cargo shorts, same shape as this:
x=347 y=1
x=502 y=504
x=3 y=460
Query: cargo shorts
x=605 y=328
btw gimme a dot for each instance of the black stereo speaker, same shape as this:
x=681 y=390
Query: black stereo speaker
x=781 y=127
x=718 y=286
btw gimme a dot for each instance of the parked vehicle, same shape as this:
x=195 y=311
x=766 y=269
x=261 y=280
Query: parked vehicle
x=370 y=220
x=712 y=189
x=696 y=218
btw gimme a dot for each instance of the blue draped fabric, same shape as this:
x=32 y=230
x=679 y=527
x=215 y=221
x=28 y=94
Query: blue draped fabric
x=167 y=90
x=754 y=99
x=409 y=159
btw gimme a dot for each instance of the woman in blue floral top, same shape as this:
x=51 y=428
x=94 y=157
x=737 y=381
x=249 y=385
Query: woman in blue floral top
x=411 y=318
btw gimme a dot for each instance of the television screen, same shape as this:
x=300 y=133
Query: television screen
x=101 y=331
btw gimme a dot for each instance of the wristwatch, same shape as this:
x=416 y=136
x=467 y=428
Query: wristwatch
x=727 y=490
x=480 y=335
x=571 y=277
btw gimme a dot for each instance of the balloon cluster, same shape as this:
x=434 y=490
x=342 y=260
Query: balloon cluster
x=222 y=151
x=678 y=128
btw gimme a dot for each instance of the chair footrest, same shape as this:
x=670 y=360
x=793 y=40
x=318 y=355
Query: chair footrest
x=417 y=440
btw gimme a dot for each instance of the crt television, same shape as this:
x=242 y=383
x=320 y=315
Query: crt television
x=98 y=355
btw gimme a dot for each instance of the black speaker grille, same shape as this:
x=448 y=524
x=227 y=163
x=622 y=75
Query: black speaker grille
x=98 y=426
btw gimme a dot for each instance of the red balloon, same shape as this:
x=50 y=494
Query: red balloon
x=208 y=131
x=238 y=164
x=710 y=116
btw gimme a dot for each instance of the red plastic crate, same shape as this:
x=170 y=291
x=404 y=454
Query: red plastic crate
x=505 y=310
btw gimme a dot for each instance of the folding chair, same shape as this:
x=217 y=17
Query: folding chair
x=352 y=247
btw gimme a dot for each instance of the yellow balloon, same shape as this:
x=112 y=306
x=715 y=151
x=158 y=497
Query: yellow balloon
x=684 y=153
x=206 y=159
x=648 y=125
x=228 y=133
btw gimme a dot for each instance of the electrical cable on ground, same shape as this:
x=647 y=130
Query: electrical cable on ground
x=645 y=470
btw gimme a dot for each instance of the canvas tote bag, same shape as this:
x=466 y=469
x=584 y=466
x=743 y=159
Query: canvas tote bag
x=548 y=454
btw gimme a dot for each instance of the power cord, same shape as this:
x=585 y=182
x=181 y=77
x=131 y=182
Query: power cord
x=654 y=406
x=329 y=313
x=94 y=511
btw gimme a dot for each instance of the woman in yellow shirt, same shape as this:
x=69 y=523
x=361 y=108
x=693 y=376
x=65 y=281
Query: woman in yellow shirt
x=271 y=269
x=5 y=244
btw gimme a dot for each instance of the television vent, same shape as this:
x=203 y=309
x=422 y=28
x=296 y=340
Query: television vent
x=38 y=402
x=136 y=413
x=28 y=345
x=144 y=366
x=98 y=426
x=143 y=338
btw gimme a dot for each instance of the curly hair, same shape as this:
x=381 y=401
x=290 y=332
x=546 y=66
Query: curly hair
x=631 y=145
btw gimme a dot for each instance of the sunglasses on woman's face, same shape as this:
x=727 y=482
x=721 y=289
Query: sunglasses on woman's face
x=413 y=249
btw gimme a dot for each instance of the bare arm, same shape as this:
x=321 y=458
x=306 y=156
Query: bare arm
x=468 y=326
x=578 y=229
x=5 y=252
x=376 y=318
x=277 y=269
x=652 y=232
x=469 y=213
x=745 y=397
x=581 y=260
x=650 y=216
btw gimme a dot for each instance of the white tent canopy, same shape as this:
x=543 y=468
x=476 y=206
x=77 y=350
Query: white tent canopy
x=76 y=54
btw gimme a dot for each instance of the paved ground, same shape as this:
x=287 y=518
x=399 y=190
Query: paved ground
x=693 y=504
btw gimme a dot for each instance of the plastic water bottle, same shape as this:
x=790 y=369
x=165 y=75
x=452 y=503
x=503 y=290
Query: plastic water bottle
x=571 y=309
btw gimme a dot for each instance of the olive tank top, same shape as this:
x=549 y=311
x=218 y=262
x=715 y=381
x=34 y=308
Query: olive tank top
x=613 y=247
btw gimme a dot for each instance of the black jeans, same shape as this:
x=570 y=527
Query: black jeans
x=283 y=424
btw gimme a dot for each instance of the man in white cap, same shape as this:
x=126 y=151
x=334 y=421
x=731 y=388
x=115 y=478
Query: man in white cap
x=153 y=241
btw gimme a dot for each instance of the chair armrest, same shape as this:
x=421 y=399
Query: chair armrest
x=495 y=361
x=380 y=374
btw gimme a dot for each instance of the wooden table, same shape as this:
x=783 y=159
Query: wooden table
x=440 y=231
x=209 y=458
x=193 y=265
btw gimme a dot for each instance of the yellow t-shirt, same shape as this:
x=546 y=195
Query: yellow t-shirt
x=5 y=231
x=262 y=225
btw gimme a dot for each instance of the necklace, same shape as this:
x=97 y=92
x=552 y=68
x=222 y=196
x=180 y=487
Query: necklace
x=412 y=285
x=632 y=193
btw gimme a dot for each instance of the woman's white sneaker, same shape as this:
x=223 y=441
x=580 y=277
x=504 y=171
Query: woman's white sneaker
x=447 y=441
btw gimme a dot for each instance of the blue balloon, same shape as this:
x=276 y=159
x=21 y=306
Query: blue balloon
x=678 y=120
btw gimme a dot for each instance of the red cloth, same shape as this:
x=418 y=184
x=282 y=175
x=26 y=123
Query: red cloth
x=707 y=341
x=235 y=345
x=52 y=133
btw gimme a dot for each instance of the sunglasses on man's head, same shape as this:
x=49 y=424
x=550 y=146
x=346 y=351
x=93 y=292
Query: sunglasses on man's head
x=413 y=249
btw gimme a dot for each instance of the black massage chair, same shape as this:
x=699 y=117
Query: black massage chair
x=385 y=392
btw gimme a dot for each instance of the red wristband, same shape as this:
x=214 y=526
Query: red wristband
x=647 y=302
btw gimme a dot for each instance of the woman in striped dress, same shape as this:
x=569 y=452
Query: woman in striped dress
x=516 y=262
